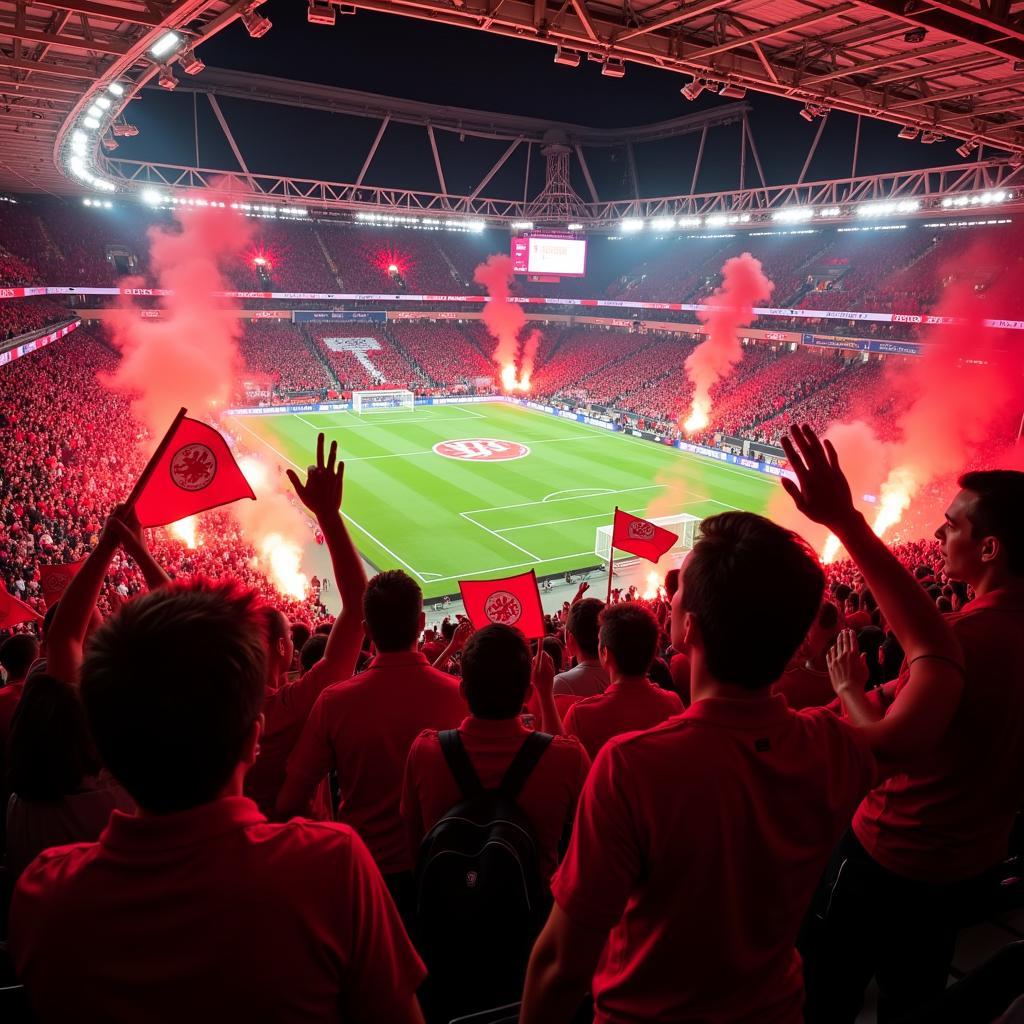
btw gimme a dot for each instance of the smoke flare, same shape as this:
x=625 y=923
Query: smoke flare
x=743 y=284
x=505 y=319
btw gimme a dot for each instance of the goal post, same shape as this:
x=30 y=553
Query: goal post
x=382 y=399
x=683 y=525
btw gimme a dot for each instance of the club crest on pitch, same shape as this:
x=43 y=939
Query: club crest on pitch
x=193 y=467
x=481 y=449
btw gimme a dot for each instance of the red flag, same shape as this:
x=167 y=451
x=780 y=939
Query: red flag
x=13 y=611
x=196 y=471
x=640 y=537
x=512 y=601
x=54 y=580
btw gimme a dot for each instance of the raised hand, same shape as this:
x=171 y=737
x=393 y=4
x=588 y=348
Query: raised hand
x=847 y=667
x=321 y=493
x=543 y=672
x=123 y=527
x=823 y=492
x=583 y=588
x=463 y=631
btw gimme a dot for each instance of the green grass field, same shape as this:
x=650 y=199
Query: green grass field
x=443 y=519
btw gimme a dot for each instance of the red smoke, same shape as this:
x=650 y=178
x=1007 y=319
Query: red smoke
x=504 y=320
x=743 y=284
x=961 y=399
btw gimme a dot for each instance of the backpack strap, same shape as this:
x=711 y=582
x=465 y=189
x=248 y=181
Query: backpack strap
x=459 y=763
x=523 y=763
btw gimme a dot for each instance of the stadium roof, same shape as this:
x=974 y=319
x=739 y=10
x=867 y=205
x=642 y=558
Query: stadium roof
x=939 y=68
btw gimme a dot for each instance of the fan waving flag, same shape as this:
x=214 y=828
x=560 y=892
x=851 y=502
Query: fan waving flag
x=191 y=471
x=54 y=580
x=13 y=611
x=640 y=537
x=512 y=601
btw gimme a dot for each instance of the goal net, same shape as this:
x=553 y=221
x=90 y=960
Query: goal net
x=684 y=525
x=374 y=401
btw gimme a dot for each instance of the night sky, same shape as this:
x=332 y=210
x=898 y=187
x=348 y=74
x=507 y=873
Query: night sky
x=413 y=59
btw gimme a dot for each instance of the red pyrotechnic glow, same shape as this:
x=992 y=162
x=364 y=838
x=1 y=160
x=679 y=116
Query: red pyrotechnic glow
x=262 y=257
x=956 y=400
x=393 y=262
x=505 y=320
x=743 y=284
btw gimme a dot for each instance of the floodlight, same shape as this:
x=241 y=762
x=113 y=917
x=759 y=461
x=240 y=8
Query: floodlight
x=574 y=227
x=522 y=225
x=732 y=91
x=90 y=122
x=256 y=25
x=663 y=223
x=908 y=132
x=613 y=67
x=95 y=111
x=319 y=13
x=109 y=143
x=151 y=196
x=570 y=58
x=115 y=89
x=189 y=62
x=927 y=138
x=692 y=90
x=915 y=35
x=123 y=128
x=475 y=225
x=166 y=44
x=967 y=148
x=167 y=80
x=630 y=225
x=102 y=102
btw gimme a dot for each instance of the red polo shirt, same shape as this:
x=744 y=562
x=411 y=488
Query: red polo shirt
x=805 y=687
x=364 y=728
x=285 y=711
x=699 y=844
x=211 y=914
x=548 y=798
x=629 y=706
x=949 y=816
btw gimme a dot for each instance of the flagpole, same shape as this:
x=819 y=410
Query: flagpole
x=611 y=562
x=154 y=459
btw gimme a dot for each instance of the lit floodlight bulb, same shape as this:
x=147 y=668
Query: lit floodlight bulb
x=102 y=102
x=115 y=89
x=90 y=122
x=168 y=42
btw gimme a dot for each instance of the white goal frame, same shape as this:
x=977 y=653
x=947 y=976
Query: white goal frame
x=682 y=524
x=382 y=400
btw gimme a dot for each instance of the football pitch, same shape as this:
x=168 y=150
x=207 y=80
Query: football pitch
x=468 y=491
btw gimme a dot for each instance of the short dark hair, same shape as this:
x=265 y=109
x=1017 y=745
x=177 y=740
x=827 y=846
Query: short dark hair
x=671 y=583
x=999 y=511
x=312 y=651
x=828 y=616
x=391 y=607
x=496 y=671
x=301 y=632
x=745 y=569
x=630 y=632
x=17 y=654
x=171 y=686
x=49 y=750
x=582 y=624
x=555 y=651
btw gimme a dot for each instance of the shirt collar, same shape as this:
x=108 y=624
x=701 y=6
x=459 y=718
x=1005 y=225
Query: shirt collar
x=134 y=833
x=1004 y=597
x=493 y=728
x=751 y=713
x=386 y=659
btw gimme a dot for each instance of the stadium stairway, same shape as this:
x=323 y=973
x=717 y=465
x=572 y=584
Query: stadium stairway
x=319 y=356
x=456 y=276
x=331 y=265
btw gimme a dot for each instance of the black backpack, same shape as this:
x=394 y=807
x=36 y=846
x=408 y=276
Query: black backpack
x=480 y=897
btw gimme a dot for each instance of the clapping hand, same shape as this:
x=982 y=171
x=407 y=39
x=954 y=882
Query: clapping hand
x=847 y=667
x=321 y=493
x=543 y=672
x=822 y=492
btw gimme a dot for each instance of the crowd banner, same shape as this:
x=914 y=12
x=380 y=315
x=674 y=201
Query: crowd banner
x=17 y=351
x=683 y=307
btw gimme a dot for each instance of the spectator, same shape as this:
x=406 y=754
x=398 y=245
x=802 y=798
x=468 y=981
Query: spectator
x=172 y=687
x=698 y=899
x=17 y=653
x=922 y=842
x=363 y=728
x=59 y=792
x=805 y=683
x=627 y=643
x=588 y=676
x=496 y=676
x=287 y=704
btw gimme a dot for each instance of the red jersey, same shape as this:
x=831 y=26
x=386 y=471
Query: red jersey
x=948 y=817
x=364 y=728
x=805 y=687
x=623 y=707
x=211 y=914
x=548 y=798
x=699 y=844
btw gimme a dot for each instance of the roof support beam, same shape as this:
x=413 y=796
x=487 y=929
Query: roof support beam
x=99 y=10
x=48 y=68
x=494 y=170
x=108 y=46
x=222 y=121
x=883 y=62
x=373 y=149
x=437 y=159
x=682 y=13
x=586 y=174
x=958 y=94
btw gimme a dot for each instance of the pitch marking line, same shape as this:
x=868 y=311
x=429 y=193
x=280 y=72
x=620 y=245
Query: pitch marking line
x=364 y=424
x=524 y=504
x=494 y=533
x=596 y=515
x=359 y=527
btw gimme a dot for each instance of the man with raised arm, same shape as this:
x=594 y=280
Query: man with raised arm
x=698 y=844
x=287 y=704
x=922 y=843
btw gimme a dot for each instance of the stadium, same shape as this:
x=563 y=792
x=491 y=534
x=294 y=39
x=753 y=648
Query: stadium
x=647 y=350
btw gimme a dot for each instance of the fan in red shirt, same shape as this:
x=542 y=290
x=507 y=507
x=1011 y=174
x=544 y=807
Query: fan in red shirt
x=287 y=704
x=16 y=656
x=923 y=841
x=627 y=642
x=197 y=908
x=698 y=844
x=364 y=727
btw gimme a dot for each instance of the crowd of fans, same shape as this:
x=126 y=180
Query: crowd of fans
x=638 y=818
x=443 y=351
x=30 y=315
x=279 y=354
